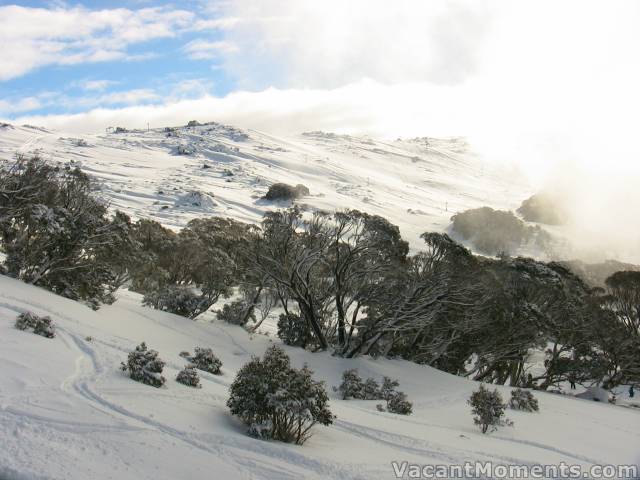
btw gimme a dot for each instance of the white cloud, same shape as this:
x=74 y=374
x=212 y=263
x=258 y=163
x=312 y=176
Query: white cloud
x=34 y=37
x=206 y=50
x=333 y=42
x=25 y=104
x=99 y=85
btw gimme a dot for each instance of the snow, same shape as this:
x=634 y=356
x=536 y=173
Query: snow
x=418 y=184
x=68 y=412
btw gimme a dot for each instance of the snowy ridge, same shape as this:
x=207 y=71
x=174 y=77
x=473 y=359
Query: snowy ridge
x=417 y=184
x=68 y=412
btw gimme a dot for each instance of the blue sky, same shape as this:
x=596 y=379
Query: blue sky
x=177 y=59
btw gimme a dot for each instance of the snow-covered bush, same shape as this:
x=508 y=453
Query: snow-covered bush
x=235 y=313
x=145 y=366
x=42 y=326
x=178 y=299
x=293 y=330
x=277 y=401
x=488 y=409
x=204 y=359
x=282 y=191
x=523 y=400
x=352 y=385
x=371 y=389
x=388 y=388
x=185 y=149
x=196 y=199
x=398 y=403
x=189 y=376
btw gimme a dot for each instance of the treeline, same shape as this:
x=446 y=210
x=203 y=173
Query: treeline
x=345 y=281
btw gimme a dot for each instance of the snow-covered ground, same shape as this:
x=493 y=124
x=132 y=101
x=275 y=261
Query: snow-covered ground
x=416 y=184
x=67 y=411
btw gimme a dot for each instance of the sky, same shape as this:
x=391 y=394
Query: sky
x=551 y=86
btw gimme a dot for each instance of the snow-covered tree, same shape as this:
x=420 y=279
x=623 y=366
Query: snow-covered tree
x=145 y=366
x=399 y=404
x=277 y=401
x=42 y=326
x=388 y=388
x=236 y=313
x=371 y=389
x=189 y=376
x=488 y=409
x=523 y=400
x=352 y=385
x=205 y=360
x=56 y=233
x=293 y=330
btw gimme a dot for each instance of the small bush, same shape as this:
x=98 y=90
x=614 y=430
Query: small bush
x=352 y=385
x=398 y=403
x=204 y=359
x=277 y=401
x=388 y=388
x=178 y=299
x=235 y=313
x=523 y=400
x=371 y=389
x=488 y=409
x=186 y=149
x=42 y=326
x=145 y=366
x=293 y=330
x=189 y=376
x=282 y=191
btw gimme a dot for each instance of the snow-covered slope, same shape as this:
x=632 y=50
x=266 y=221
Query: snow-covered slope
x=174 y=176
x=67 y=411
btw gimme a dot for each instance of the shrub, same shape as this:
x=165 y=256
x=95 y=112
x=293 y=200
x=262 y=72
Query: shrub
x=178 y=299
x=204 y=359
x=398 y=403
x=523 y=400
x=293 y=330
x=235 y=313
x=388 y=388
x=282 y=191
x=193 y=123
x=42 y=326
x=371 y=389
x=185 y=149
x=145 y=366
x=352 y=385
x=277 y=401
x=189 y=376
x=488 y=409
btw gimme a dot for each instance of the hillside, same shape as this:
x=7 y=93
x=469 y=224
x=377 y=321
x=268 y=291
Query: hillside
x=176 y=174
x=68 y=412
